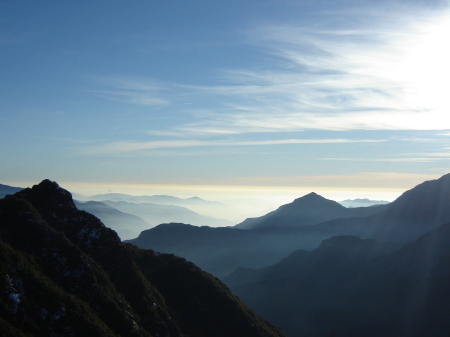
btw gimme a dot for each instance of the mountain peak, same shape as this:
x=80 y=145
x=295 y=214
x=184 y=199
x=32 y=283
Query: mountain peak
x=316 y=200
x=64 y=273
x=311 y=196
x=48 y=195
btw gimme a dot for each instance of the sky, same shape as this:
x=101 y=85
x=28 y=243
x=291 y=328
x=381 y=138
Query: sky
x=249 y=98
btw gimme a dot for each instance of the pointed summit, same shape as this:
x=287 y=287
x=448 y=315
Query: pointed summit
x=307 y=210
x=315 y=199
x=48 y=196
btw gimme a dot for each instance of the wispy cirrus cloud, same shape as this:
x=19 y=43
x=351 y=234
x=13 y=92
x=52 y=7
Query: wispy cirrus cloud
x=369 y=77
x=252 y=122
x=378 y=71
x=126 y=147
x=133 y=90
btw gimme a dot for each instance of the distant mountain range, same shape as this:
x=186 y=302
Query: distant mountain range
x=63 y=273
x=233 y=210
x=127 y=226
x=279 y=233
x=154 y=199
x=155 y=214
x=362 y=202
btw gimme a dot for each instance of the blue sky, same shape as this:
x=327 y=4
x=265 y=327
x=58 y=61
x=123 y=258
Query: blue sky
x=306 y=94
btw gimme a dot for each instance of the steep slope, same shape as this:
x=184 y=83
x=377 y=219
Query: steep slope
x=308 y=210
x=343 y=288
x=127 y=226
x=416 y=211
x=63 y=272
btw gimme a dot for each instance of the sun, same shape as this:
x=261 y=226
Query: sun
x=425 y=67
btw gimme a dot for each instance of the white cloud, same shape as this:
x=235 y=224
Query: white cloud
x=133 y=90
x=125 y=147
x=383 y=71
x=291 y=122
x=391 y=77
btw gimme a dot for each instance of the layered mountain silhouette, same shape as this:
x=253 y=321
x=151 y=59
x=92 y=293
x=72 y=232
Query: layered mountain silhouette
x=348 y=286
x=155 y=214
x=292 y=227
x=198 y=205
x=127 y=226
x=233 y=210
x=154 y=199
x=63 y=273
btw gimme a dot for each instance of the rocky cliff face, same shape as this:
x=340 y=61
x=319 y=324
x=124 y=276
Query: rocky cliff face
x=63 y=273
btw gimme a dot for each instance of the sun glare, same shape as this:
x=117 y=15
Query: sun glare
x=425 y=68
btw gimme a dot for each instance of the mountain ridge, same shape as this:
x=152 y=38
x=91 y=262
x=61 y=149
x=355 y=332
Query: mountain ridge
x=307 y=210
x=260 y=247
x=64 y=273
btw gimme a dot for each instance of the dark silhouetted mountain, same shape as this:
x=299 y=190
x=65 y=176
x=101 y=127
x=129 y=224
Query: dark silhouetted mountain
x=350 y=286
x=63 y=273
x=362 y=202
x=308 y=210
x=156 y=214
x=330 y=253
x=127 y=226
x=221 y=250
x=5 y=190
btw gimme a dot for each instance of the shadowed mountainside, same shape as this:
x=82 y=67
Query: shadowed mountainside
x=64 y=273
x=350 y=286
